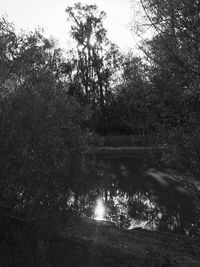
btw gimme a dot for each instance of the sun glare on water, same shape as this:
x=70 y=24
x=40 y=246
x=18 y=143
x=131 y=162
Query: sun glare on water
x=99 y=210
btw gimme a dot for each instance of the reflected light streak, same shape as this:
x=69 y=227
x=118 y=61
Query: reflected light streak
x=99 y=210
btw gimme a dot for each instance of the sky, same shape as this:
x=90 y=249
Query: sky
x=50 y=15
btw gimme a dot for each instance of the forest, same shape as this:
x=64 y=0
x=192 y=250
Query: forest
x=55 y=105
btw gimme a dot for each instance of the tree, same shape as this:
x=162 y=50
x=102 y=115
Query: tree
x=131 y=106
x=176 y=23
x=174 y=46
x=174 y=57
x=96 y=57
x=135 y=91
x=42 y=137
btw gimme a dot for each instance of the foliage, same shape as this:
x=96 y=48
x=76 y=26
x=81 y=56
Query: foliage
x=48 y=101
x=42 y=134
x=173 y=54
x=133 y=98
x=95 y=60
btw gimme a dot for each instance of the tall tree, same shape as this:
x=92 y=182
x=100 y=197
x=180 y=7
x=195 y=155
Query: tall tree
x=96 y=56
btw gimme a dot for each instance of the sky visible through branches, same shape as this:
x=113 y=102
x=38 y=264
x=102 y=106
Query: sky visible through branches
x=50 y=15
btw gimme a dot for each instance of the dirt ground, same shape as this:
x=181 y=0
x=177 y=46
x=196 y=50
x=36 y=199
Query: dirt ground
x=101 y=243
x=84 y=242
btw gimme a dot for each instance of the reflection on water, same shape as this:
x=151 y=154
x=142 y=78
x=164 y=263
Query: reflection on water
x=135 y=195
x=99 y=211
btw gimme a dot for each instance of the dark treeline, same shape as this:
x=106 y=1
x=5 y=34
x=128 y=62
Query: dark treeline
x=53 y=106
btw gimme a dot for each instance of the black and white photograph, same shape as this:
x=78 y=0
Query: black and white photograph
x=99 y=133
